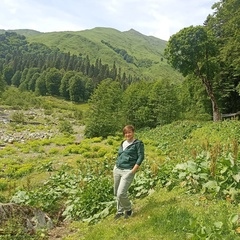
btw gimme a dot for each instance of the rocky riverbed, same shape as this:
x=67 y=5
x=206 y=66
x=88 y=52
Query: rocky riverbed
x=9 y=131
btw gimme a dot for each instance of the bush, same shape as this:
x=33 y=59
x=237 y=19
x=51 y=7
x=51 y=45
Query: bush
x=18 y=117
x=65 y=127
x=3 y=185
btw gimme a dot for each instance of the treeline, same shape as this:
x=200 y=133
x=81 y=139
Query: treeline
x=48 y=71
x=128 y=58
x=143 y=104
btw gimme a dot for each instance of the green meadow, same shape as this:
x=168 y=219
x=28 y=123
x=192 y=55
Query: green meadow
x=187 y=187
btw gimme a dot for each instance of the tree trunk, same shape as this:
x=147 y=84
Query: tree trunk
x=215 y=109
x=216 y=113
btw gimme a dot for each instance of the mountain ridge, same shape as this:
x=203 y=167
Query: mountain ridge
x=132 y=51
x=26 y=31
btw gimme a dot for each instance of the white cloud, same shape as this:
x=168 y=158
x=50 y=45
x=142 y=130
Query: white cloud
x=160 y=18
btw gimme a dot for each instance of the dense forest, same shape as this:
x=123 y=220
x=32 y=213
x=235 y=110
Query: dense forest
x=207 y=57
x=48 y=71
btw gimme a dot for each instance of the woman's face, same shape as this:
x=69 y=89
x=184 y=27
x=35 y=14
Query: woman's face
x=129 y=134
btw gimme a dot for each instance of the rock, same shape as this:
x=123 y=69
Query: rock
x=30 y=218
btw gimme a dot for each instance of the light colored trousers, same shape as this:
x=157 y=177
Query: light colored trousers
x=122 y=181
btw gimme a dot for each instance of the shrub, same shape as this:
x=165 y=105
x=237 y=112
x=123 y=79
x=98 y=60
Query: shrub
x=95 y=196
x=53 y=151
x=78 y=114
x=65 y=127
x=90 y=155
x=96 y=148
x=23 y=170
x=3 y=184
x=97 y=139
x=9 y=150
x=102 y=152
x=18 y=117
x=63 y=141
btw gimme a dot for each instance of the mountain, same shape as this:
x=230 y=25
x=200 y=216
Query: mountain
x=133 y=52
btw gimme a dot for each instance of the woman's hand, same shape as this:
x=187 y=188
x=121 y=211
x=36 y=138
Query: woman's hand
x=135 y=168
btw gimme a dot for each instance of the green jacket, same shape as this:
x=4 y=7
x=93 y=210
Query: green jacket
x=133 y=154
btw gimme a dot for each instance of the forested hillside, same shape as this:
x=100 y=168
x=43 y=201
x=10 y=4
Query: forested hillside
x=132 y=51
x=86 y=65
x=44 y=62
x=72 y=65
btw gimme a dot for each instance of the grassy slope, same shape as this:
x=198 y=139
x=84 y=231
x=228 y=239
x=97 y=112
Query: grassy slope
x=163 y=215
x=169 y=215
x=88 y=42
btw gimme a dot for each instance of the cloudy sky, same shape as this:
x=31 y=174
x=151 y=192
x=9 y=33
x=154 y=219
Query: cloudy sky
x=159 y=18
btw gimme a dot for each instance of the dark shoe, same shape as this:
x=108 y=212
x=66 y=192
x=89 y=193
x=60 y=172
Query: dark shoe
x=128 y=214
x=118 y=215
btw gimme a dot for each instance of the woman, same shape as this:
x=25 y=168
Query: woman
x=130 y=157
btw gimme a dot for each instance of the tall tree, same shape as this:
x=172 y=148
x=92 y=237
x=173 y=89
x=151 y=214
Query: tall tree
x=193 y=50
x=225 y=25
x=16 y=78
x=29 y=81
x=88 y=88
x=24 y=74
x=40 y=86
x=8 y=74
x=164 y=103
x=137 y=110
x=53 y=81
x=105 y=116
x=32 y=82
x=64 y=86
x=193 y=100
x=2 y=85
x=76 y=88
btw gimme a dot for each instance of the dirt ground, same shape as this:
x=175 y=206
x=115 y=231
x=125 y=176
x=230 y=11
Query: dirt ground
x=59 y=232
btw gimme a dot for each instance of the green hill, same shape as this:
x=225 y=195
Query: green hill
x=25 y=32
x=133 y=52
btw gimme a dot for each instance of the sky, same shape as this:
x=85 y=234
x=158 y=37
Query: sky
x=158 y=18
